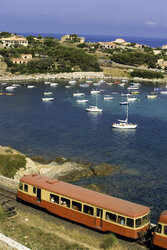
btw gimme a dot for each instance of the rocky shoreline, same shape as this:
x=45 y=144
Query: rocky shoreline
x=60 y=168
x=58 y=76
x=73 y=75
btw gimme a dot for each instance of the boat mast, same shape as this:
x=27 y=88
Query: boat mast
x=127 y=114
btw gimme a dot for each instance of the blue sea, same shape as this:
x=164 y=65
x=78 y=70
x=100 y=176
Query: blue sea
x=64 y=128
x=151 y=42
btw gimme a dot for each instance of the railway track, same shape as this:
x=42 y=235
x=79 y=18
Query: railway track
x=4 y=193
x=8 y=201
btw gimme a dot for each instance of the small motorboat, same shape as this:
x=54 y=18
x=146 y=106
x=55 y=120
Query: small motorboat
x=108 y=97
x=84 y=85
x=82 y=101
x=124 y=103
x=79 y=94
x=95 y=92
x=54 y=84
x=48 y=93
x=47 y=83
x=152 y=96
x=30 y=86
x=72 y=82
x=10 y=88
x=93 y=109
x=47 y=99
x=131 y=99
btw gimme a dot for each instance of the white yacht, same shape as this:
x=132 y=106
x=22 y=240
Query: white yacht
x=94 y=109
x=79 y=94
x=124 y=124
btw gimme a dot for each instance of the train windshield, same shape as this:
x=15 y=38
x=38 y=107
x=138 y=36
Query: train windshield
x=143 y=220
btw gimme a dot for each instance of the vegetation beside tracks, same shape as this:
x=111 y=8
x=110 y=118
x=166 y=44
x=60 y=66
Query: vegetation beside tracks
x=10 y=163
x=33 y=232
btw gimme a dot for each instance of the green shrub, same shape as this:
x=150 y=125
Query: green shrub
x=9 y=164
x=147 y=74
x=3 y=215
x=108 y=241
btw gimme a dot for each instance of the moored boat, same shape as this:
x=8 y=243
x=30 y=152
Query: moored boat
x=93 y=109
x=47 y=99
x=124 y=124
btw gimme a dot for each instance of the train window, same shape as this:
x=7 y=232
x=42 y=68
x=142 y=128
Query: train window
x=88 y=210
x=34 y=190
x=25 y=187
x=159 y=228
x=121 y=220
x=130 y=222
x=65 y=202
x=138 y=222
x=54 y=198
x=145 y=219
x=110 y=216
x=165 y=230
x=21 y=186
x=76 y=205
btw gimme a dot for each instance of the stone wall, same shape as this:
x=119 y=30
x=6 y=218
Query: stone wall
x=8 y=182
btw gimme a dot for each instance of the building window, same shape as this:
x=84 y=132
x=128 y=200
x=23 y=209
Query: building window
x=76 y=205
x=130 y=222
x=111 y=217
x=54 y=198
x=25 y=187
x=88 y=210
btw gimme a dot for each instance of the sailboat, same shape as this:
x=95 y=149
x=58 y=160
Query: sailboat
x=94 y=108
x=124 y=124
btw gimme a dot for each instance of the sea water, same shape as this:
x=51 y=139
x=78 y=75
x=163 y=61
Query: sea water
x=64 y=128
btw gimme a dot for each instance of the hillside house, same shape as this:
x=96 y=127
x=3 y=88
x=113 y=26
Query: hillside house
x=107 y=45
x=24 y=59
x=71 y=38
x=14 y=40
x=162 y=63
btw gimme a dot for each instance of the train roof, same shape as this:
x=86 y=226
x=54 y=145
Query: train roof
x=163 y=217
x=86 y=196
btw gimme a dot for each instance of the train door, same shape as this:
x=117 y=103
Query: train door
x=38 y=194
x=98 y=218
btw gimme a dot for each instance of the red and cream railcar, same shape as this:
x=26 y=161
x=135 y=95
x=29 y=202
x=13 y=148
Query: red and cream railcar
x=96 y=210
x=160 y=235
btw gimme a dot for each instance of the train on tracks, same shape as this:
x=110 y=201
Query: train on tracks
x=93 y=209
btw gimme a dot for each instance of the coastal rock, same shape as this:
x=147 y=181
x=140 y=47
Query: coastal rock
x=103 y=169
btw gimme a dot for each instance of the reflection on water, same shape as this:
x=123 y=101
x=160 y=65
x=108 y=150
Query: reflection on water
x=94 y=116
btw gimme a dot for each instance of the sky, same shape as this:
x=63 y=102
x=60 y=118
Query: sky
x=138 y=18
